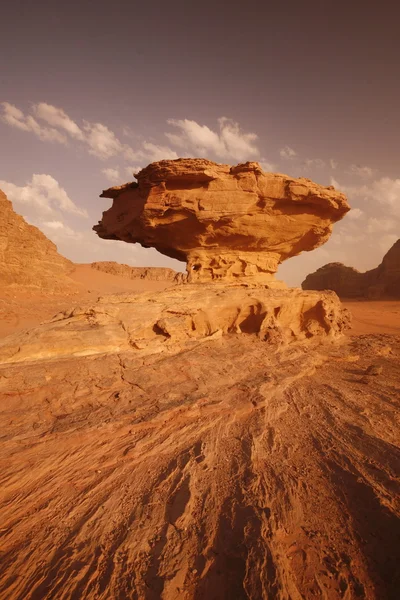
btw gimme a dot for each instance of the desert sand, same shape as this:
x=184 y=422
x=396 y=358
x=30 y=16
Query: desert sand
x=24 y=308
x=380 y=316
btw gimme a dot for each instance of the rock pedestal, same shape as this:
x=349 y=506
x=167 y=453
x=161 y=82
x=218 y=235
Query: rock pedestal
x=227 y=223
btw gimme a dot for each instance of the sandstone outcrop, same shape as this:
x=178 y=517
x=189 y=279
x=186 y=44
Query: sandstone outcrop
x=27 y=257
x=227 y=223
x=148 y=273
x=347 y=282
x=178 y=317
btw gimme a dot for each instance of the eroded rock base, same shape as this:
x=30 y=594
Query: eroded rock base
x=169 y=320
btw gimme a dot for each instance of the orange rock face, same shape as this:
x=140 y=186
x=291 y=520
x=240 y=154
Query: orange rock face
x=225 y=222
x=27 y=257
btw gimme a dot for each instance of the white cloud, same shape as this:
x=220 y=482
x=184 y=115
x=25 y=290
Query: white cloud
x=360 y=171
x=240 y=146
x=112 y=174
x=57 y=226
x=199 y=137
x=314 y=162
x=333 y=163
x=57 y=117
x=384 y=191
x=16 y=118
x=228 y=143
x=42 y=193
x=155 y=153
x=132 y=170
x=387 y=241
x=354 y=214
x=387 y=192
x=267 y=166
x=287 y=152
x=13 y=116
x=102 y=142
x=379 y=225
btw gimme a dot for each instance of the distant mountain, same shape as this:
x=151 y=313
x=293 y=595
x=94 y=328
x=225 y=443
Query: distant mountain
x=347 y=282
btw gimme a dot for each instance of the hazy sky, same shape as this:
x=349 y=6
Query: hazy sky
x=92 y=91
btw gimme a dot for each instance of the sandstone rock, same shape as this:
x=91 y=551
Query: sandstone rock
x=148 y=273
x=384 y=281
x=27 y=257
x=169 y=320
x=225 y=222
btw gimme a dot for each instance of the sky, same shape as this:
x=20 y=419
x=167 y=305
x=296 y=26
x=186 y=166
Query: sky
x=91 y=92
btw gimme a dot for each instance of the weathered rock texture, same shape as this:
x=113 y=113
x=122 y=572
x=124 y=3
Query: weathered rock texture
x=226 y=472
x=27 y=257
x=225 y=222
x=148 y=273
x=384 y=281
x=167 y=321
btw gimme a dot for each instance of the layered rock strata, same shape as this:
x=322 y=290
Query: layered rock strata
x=227 y=223
x=347 y=282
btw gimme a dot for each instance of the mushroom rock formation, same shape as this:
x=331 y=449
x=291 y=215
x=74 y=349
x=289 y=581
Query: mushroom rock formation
x=227 y=223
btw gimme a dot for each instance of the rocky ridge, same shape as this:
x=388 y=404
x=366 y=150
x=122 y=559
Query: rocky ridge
x=149 y=273
x=347 y=282
x=27 y=257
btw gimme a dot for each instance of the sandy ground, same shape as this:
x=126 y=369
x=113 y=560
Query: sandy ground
x=22 y=309
x=379 y=316
x=232 y=471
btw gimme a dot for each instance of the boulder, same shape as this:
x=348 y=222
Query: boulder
x=227 y=223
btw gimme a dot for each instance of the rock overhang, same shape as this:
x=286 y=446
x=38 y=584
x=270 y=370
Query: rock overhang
x=227 y=223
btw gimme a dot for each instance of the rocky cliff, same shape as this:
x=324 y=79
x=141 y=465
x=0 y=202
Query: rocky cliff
x=384 y=281
x=227 y=223
x=27 y=257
